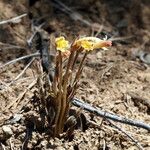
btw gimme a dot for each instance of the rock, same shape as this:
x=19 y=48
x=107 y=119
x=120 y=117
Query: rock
x=7 y=130
x=144 y=77
x=44 y=143
x=16 y=118
x=99 y=55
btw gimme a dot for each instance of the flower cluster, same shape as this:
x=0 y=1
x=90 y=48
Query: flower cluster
x=85 y=43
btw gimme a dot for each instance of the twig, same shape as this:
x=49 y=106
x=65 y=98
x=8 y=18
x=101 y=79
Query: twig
x=10 y=46
x=110 y=116
x=11 y=145
x=78 y=17
x=99 y=30
x=22 y=72
x=20 y=96
x=120 y=38
x=20 y=58
x=36 y=30
x=31 y=85
x=74 y=15
x=29 y=41
x=36 y=54
x=3 y=146
x=128 y=135
x=13 y=20
x=104 y=144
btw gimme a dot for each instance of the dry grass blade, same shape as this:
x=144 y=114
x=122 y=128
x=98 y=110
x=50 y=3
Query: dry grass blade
x=22 y=72
x=3 y=146
x=7 y=46
x=128 y=135
x=121 y=38
x=13 y=20
x=19 y=59
x=74 y=15
x=20 y=97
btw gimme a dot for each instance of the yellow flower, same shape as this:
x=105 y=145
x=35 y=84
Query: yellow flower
x=91 y=43
x=86 y=45
x=61 y=44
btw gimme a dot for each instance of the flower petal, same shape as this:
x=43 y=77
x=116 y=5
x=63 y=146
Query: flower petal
x=102 y=44
x=61 y=44
x=86 y=45
x=91 y=43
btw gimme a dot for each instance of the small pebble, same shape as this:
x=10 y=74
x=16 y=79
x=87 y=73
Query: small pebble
x=99 y=55
x=7 y=130
x=44 y=143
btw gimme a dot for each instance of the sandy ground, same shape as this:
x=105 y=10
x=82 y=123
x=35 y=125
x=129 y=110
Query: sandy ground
x=110 y=80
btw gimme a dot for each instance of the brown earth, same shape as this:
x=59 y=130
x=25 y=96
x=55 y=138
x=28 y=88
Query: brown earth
x=109 y=81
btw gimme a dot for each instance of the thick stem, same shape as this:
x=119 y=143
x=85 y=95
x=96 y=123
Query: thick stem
x=60 y=123
x=59 y=95
x=54 y=83
x=65 y=106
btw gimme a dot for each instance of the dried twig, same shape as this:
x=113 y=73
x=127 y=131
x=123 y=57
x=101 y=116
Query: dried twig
x=16 y=101
x=12 y=47
x=128 y=135
x=3 y=146
x=11 y=144
x=9 y=46
x=110 y=116
x=104 y=144
x=78 y=17
x=36 y=54
x=22 y=72
x=13 y=20
x=120 y=38
x=35 y=31
x=74 y=15
x=99 y=30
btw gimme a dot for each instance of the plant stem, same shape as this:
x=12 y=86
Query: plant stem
x=79 y=69
x=63 y=103
x=58 y=74
x=75 y=59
